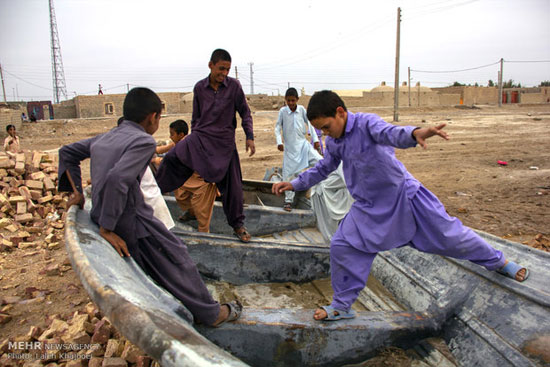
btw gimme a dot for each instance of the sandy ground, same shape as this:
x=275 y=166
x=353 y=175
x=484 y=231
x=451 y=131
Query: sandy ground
x=509 y=201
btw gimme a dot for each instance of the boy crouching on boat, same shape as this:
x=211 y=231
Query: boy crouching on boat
x=391 y=207
x=118 y=161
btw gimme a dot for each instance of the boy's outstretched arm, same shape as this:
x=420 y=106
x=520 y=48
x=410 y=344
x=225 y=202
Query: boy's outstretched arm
x=280 y=187
x=421 y=134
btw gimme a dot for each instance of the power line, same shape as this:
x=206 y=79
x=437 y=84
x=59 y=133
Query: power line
x=26 y=81
x=455 y=71
x=528 y=61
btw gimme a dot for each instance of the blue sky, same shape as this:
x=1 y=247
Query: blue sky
x=311 y=44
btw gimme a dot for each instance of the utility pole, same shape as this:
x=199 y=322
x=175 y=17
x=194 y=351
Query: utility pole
x=409 y=86
x=3 y=87
x=127 y=87
x=500 y=83
x=251 y=78
x=396 y=84
x=236 y=73
x=58 y=75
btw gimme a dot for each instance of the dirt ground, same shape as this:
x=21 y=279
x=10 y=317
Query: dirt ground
x=511 y=201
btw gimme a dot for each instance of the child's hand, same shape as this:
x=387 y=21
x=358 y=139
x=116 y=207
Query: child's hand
x=250 y=145
x=281 y=147
x=427 y=132
x=115 y=241
x=280 y=187
x=317 y=146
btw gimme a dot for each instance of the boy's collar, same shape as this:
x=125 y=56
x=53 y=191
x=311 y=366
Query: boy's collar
x=207 y=81
x=350 y=122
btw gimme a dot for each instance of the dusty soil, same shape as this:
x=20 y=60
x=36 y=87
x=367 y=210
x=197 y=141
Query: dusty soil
x=511 y=201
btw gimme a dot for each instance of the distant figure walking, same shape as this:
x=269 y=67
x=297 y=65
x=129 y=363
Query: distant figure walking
x=100 y=91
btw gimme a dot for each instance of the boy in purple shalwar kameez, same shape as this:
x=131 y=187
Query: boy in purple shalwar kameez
x=391 y=207
x=210 y=148
x=118 y=161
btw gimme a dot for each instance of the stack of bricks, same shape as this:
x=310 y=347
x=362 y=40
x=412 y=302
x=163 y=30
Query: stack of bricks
x=29 y=201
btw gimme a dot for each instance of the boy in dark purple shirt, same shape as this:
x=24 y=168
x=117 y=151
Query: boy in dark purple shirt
x=118 y=161
x=210 y=148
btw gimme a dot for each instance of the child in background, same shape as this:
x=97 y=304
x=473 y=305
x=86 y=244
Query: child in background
x=391 y=207
x=11 y=143
x=298 y=153
x=320 y=137
x=196 y=196
x=118 y=161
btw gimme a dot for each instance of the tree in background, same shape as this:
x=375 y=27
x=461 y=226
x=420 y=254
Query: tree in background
x=545 y=83
x=510 y=84
x=490 y=83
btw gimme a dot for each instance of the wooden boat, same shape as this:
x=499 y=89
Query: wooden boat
x=485 y=318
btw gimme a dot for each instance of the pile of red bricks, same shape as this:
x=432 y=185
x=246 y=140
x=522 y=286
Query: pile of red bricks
x=83 y=339
x=30 y=206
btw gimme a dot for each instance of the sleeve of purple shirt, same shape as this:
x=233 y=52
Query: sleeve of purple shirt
x=120 y=178
x=196 y=106
x=316 y=174
x=244 y=111
x=70 y=157
x=387 y=134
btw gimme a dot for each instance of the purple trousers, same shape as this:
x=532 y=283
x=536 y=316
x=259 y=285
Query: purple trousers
x=437 y=233
x=177 y=274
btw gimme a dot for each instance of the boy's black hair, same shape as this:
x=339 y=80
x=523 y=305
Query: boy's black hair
x=220 y=54
x=9 y=127
x=120 y=119
x=324 y=104
x=139 y=103
x=180 y=126
x=291 y=92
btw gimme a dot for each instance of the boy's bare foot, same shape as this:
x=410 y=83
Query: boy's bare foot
x=320 y=314
x=228 y=312
x=513 y=270
x=223 y=315
x=243 y=234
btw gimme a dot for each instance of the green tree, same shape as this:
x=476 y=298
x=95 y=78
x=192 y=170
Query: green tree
x=545 y=83
x=490 y=83
x=457 y=84
x=510 y=84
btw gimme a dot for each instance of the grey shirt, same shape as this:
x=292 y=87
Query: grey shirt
x=118 y=161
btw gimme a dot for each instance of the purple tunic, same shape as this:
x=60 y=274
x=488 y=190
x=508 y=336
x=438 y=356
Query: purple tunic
x=379 y=183
x=391 y=207
x=211 y=144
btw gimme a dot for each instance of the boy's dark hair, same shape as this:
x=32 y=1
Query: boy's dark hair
x=180 y=126
x=291 y=92
x=139 y=103
x=324 y=104
x=9 y=127
x=220 y=54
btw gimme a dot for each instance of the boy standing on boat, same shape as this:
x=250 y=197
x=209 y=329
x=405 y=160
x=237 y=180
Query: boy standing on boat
x=118 y=161
x=210 y=149
x=298 y=152
x=391 y=207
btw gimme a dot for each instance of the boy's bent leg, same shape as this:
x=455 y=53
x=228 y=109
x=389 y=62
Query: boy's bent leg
x=231 y=188
x=172 y=173
x=442 y=234
x=350 y=270
x=180 y=277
